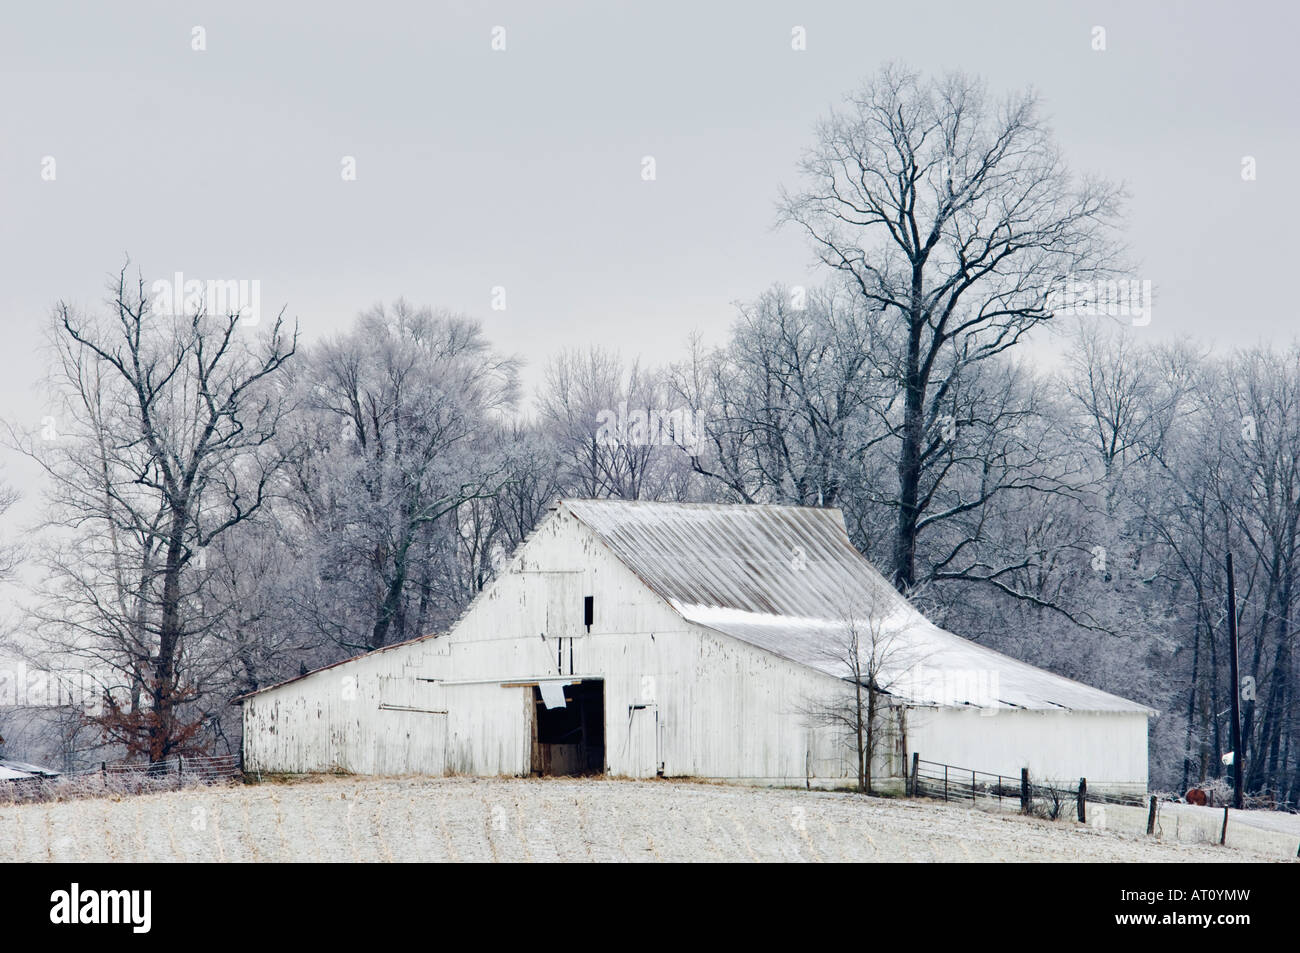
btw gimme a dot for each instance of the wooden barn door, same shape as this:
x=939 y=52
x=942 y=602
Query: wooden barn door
x=643 y=741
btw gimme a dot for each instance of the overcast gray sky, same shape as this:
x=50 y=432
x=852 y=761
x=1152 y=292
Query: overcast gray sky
x=522 y=168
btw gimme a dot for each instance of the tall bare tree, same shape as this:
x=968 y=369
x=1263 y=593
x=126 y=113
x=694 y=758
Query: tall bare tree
x=1261 y=394
x=161 y=442
x=955 y=218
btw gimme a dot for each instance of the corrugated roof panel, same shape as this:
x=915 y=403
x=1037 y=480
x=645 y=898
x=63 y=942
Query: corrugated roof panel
x=28 y=768
x=787 y=579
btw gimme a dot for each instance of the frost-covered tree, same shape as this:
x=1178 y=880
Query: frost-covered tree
x=405 y=411
x=955 y=218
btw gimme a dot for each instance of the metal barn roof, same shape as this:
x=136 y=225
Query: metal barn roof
x=19 y=770
x=787 y=580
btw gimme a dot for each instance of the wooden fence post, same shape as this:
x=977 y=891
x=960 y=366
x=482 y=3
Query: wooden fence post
x=916 y=768
x=1024 y=790
x=180 y=772
x=1083 y=800
x=1223 y=834
x=1151 y=816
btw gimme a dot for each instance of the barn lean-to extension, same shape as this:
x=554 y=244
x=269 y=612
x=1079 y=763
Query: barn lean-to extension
x=690 y=640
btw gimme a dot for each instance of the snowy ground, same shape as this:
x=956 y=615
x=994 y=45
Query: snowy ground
x=461 y=819
x=1268 y=833
x=1212 y=817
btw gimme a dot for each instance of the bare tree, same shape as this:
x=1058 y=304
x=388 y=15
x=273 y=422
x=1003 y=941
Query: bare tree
x=411 y=402
x=790 y=404
x=955 y=218
x=10 y=553
x=800 y=407
x=533 y=482
x=59 y=735
x=1128 y=397
x=164 y=444
x=873 y=655
x=613 y=428
x=1262 y=397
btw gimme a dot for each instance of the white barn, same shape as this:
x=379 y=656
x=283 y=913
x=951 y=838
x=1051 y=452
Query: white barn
x=690 y=640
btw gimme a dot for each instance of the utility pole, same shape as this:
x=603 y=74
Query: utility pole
x=1238 y=762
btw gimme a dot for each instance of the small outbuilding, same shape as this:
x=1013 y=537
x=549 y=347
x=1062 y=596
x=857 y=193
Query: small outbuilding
x=11 y=770
x=724 y=642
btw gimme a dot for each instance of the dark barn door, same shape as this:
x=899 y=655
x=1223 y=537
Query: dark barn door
x=570 y=740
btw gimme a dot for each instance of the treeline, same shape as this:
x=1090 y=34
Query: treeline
x=292 y=505
x=229 y=506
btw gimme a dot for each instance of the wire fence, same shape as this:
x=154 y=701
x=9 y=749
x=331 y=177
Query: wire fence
x=952 y=783
x=1048 y=798
x=118 y=779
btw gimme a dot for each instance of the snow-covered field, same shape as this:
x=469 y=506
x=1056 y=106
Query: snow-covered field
x=462 y=819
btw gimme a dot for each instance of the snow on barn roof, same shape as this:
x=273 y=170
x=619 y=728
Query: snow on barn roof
x=787 y=580
x=21 y=770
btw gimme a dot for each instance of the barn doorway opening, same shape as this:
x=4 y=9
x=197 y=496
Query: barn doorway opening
x=569 y=739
